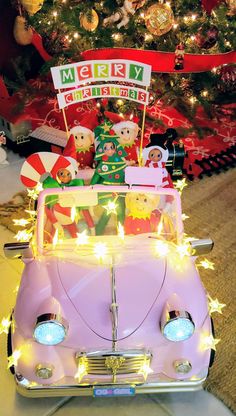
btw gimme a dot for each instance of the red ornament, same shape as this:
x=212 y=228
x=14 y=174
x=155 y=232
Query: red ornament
x=227 y=75
x=105 y=158
x=207 y=39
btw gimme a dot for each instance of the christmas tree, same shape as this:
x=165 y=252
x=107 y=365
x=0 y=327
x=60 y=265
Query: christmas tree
x=70 y=27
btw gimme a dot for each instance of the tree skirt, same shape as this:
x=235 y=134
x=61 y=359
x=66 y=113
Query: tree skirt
x=210 y=203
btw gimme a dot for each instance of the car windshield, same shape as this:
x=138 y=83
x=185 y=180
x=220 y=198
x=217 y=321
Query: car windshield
x=72 y=215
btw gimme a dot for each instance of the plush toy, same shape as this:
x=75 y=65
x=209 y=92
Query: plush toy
x=109 y=171
x=84 y=139
x=110 y=156
x=156 y=154
x=61 y=173
x=127 y=132
x=142 y=217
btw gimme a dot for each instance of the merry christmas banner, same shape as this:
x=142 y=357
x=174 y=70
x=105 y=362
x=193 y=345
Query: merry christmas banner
x=107 y=90
x=73 y=75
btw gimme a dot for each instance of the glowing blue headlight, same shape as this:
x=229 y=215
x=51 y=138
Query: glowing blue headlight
x=178 y=326
x=50 y=329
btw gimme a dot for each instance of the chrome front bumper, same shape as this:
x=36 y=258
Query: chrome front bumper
x=28 y=390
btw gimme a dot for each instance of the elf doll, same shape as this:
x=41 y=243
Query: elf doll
x=156 y=154
x=109 y=171
x=127 y=132
x=84 y=139
x=61 y=173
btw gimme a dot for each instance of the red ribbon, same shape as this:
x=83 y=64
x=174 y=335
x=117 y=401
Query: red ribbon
x=163 y=61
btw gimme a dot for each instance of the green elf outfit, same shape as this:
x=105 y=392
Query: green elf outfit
x=109 y=171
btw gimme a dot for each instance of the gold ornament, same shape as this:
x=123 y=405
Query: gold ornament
x=89 y=23
x=32 y=6
x=159 y=19
x=22 y=34
x=232 y=7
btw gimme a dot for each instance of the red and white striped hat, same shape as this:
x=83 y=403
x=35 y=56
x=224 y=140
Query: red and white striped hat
x=36 y=165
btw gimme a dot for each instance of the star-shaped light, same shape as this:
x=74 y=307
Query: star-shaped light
x=206 y=264
x=215 y=305
x=161 y=248
x=100 y=250
x=32 y=193
x=23 y=236
x=82 y=369
x=183 y=249
x=110 y=207
x=184 y=217
x=180 y=184
x=5 y=325
x=31 y=212
x=209 y=342
x=82 y=238
x=145 y=369
x=13 y=359
x=22 y=222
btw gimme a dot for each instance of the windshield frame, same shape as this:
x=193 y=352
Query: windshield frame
x=101 y=188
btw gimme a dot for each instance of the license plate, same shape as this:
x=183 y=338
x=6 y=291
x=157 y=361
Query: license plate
x=113 y=391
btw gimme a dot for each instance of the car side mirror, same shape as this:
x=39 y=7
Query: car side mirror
x=18 y=250
x=202 y=246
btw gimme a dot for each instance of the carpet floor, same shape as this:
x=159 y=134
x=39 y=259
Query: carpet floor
x=211 y=205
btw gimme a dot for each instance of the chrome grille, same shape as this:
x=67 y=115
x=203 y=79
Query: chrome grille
x=112 y=362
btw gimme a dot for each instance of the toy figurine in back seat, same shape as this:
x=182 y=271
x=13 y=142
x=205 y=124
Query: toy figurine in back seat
x=156 y=153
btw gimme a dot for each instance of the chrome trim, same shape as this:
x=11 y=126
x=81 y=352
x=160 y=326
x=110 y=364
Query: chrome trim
x=182 y=366
x=18 y=250
x=202 y=246
x=174 y=315
x=25 y=388
x=51 y=317
x=44 y=370
x=120 y=353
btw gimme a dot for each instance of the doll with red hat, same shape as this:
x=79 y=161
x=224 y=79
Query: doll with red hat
x=156 y=154
x=127 y=131
x=84 y=139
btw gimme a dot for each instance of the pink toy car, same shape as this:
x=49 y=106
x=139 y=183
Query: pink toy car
x=116 y=311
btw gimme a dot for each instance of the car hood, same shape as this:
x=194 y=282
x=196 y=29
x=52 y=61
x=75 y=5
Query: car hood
x=138 y=283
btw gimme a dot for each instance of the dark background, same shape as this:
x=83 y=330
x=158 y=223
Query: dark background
x=13 y=56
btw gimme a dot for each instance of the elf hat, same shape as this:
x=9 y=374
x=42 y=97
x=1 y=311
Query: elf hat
x=120 y=122
x=87 y=124
x=37 y=164
x=70 y=152
x=159 y=141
